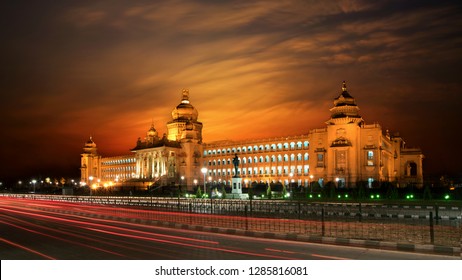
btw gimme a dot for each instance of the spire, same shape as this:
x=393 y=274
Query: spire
x=344 y=86
x=185 y=97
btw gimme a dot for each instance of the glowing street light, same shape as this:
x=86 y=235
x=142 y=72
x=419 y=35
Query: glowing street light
x=33 y=183
x=91 y=179
x=310 y=182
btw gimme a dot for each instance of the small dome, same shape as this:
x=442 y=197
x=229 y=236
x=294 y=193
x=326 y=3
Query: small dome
x=152 y=132
x=90 y=143
x=184 y=110
x=344 y=98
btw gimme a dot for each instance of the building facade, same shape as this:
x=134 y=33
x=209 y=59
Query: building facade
x=346 y=151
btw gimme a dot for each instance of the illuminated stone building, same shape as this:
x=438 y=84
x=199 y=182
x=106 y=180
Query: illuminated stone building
x=172 y=159
x=346 y=151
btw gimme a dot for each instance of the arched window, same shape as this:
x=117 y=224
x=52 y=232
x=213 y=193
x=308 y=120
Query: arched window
x=306 y=144
x=292 y=157
x=299 y=157
x=279 y=158
x=261 y=159
x=273 y=158
x=249 y=148
x=286 y=157
x=292 y=145
x=267 y=159
x=250 y=160
x=279 y=146
x=286 y=145
x=299 y=145
x=306 y=156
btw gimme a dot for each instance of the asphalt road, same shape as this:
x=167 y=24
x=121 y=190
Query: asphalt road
x=29 y=232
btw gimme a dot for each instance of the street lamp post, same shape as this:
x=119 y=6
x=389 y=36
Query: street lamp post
x=291 y=175
x=91 y=179
x=311 y=183
x=204 y=171
x=33 y=184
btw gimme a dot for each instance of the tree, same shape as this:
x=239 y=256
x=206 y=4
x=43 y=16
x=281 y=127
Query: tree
x=198 y=193
x=268 y=192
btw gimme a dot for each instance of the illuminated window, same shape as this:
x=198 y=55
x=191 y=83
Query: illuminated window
x=286 y=157
x=370 y=158
x=320 y=160
x=299 y=157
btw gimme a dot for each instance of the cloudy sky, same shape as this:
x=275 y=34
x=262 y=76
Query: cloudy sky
x=71 y=69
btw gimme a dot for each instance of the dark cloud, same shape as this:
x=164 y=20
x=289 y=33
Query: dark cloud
x=71 y=69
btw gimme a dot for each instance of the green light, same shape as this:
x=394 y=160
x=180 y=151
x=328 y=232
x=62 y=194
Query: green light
x=346 y=196
x=319 y=195
x=339 y=196
x=372 y=196
x=311 y=196
x=412 y=196
x=378 y=196
x=446 y=196
x=407 y=197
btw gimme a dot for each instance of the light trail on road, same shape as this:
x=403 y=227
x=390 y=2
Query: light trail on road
x=36 y=230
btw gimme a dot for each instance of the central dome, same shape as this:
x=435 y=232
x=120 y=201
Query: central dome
x=184 y=110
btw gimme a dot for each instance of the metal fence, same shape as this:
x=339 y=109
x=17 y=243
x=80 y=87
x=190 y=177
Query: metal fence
x=436 y=225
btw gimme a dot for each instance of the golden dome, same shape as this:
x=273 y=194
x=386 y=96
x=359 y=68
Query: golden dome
x=184 y=110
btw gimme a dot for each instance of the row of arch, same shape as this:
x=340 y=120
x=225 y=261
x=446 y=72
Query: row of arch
x=300 y=170
x=261 y=159
x=119 y=161
x=259 y=148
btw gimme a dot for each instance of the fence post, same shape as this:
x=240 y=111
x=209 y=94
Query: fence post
x=360 y=213
x=299 y=210
x=246 y=218
x=190 y=212
x=211 y=204
x=436 y=214
x=432 y=233
x=322 y=221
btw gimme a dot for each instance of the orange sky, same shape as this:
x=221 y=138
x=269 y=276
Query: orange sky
x=254 y=69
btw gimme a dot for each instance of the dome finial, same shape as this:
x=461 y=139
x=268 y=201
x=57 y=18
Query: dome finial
x=344 y=86
x=185 y=97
